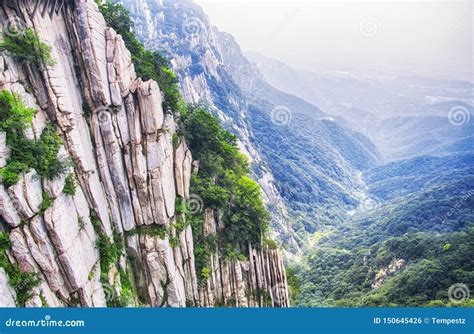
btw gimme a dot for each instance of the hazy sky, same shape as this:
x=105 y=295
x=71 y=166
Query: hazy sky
x=428 y=37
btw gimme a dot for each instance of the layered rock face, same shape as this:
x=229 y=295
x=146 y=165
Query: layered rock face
x=257 y=282
x=129 y=175
x=195 y=48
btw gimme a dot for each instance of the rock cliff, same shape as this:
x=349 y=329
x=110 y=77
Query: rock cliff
x=182 y=31
x=129 y=175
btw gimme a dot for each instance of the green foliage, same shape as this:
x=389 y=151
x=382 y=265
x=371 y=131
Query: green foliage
x=214 y=196
x=10 y=174
x=232 y=253
x=151 y=230
x=5 y=242
x=270 y=243
x=214 y=147
x=47 y=163
x=127 y=293
x=14 y=115
x=223 y=185
x=248 y=218
x=222 y=181
x=25 y=46
x=174 y=241
x=70 y=185
x=205 y=273
x=176 y=140
x=203 y=248
x=44 y=302
x=161 y=231
x=164 y=286
x=335 y=276
x=25 y=153
x=181 y=206
x=447 y=247
x=109 y=253
x=294 y=283
x=95 y=222
x=46 y=202
x=21 y=282
x=148 y=64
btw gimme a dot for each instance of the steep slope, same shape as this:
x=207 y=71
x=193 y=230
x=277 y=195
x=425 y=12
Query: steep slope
x=94 y=221
x=305 y=162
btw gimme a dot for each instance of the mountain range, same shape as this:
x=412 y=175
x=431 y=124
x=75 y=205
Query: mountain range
x=347 y=161
x=148 y=161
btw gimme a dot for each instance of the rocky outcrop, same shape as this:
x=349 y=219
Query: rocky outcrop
x=258 y=280
x=129 y=175
x=384 y=273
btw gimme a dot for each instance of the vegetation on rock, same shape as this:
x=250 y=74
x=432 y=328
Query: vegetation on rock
x=70 y=185
x=22 y=282
x=25 y=46
x=223 y=184
x=222 y=181
x=148 y=64
x=25 y=153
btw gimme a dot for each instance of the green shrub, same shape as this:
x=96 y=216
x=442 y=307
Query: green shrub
x=270 y=243
x=174 y=241
x=70 y=185
x=95 y=222
x=205 y=273
x=176 y=140
x=127 y=293
x=25 y=153
x=46 y=202
x=223 y=185
x=47 y=163
x=222 y=182
x=180 y=206
x=5 y=242
x=44 y=302
x=14 y=115
x=232 y=253
x=152 y=230
x=109 y=253
x=10 y=174
x=25 y=46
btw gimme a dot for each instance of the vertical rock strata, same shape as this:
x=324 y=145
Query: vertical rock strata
x=128 y=178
